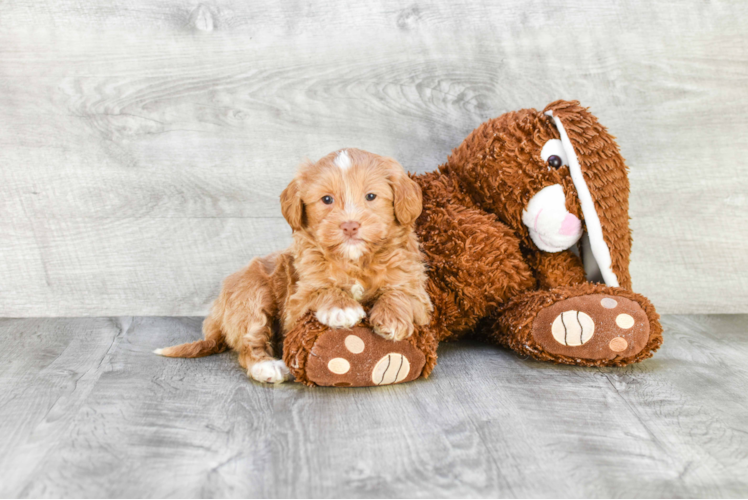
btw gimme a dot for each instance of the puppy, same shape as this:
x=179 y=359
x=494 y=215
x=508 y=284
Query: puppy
x=354 y=246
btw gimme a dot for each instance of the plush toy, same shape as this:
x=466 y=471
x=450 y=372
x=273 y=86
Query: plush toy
x=526 y=234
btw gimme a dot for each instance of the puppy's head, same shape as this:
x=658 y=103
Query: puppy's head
x=351 y=202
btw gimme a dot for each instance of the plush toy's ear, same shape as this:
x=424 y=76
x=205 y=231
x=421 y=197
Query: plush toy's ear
x=407 y=193
x=292 y=206
x=601 y=179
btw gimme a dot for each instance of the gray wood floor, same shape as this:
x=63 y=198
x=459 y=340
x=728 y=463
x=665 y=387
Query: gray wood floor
x=87 y=410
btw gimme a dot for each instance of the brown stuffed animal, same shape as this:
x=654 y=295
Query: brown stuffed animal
x=526 y=234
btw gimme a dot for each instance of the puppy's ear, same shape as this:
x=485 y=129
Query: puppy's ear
x=292 y=206
x=408 y=198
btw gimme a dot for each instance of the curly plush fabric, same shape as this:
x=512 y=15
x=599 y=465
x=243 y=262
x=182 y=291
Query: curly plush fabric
x=475 y=265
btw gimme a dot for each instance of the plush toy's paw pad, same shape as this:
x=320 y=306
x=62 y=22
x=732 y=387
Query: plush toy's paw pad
x=596 y=326
x=272 y=371
x=391 y=369
x=360 y=358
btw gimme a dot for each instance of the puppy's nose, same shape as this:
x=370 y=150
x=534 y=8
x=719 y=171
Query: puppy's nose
x=350 y=228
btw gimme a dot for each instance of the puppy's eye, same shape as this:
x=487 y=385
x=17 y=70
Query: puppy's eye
x=555 y=161
x=370 y=197
x=327 y=200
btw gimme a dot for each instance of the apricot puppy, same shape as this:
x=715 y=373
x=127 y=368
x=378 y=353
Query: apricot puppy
x=354 y=247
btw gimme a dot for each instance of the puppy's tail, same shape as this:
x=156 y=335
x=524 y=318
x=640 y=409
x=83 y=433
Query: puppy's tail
x=196 y=349
x=213 y=343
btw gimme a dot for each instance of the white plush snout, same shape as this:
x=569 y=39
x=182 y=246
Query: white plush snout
x=552 y=227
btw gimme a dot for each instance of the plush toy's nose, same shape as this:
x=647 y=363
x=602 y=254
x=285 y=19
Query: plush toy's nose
x=570 y=225
x=350 y=228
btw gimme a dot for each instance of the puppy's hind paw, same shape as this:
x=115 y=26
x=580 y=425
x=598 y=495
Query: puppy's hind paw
x=272 y=371
x=337 y=317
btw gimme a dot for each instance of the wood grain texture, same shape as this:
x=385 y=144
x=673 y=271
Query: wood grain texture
x=87 y=411
x=140 y=143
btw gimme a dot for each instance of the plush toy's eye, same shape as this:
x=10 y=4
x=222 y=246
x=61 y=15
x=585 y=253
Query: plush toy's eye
x=370 y=197
x=553 y=154
x=327 y=200
x=555 y=161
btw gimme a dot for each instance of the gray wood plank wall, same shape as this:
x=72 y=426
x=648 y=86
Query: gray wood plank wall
x=143 y=144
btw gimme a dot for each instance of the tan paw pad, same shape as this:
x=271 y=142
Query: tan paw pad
x=354 y=344
x=338 y=366
x=618 y=344
x=608 y=303
x=391 y=369
x=625 y=321
x=573 y=328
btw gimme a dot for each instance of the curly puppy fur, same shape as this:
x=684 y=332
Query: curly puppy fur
x=354 y=246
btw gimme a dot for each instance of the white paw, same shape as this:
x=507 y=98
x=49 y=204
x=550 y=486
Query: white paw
x=341 y=318
x=270 y=372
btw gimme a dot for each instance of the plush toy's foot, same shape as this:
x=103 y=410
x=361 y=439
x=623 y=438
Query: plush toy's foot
x=582 y=325
x=596 y=326
x=356 y=357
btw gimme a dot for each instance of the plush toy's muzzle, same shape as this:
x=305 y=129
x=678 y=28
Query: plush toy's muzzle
x=552 y=228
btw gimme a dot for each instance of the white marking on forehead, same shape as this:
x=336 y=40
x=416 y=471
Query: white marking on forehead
x=343 y=161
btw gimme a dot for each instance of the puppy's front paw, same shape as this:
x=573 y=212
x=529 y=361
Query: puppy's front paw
x=337 y=317
x=389 y=325
x=272 y=371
